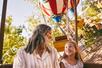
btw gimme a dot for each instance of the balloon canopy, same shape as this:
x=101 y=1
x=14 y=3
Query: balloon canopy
x=56 y=7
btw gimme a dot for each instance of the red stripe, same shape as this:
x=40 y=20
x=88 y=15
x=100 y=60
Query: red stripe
x=44 y=9
x=53 y=6
x=72 y=3
x=65 y=6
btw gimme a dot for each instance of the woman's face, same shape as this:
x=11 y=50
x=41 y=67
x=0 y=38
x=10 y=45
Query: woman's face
x=70 y=49
x=48 y=37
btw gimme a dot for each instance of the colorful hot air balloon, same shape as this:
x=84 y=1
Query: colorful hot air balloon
x=71 y=6
x=56 y=8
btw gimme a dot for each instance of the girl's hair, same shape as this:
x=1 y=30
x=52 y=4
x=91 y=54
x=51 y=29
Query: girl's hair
x=77 y=57
x=37 y=38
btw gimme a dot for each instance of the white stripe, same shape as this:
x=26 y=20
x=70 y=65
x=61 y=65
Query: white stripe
x=59 y=4
x=38 y=63
x=47 y=65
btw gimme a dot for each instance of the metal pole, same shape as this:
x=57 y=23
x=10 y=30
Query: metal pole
x=76 y=25
x=2 y=27
x=76 y=29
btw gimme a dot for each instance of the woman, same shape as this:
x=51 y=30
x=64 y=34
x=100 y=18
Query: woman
x=37 y=53
x=71 y=57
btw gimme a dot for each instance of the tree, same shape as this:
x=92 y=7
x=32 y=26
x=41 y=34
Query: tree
x=13 y=40
x=92 y=11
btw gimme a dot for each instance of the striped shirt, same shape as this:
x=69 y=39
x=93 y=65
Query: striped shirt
x=25 y=60
x=67 y=65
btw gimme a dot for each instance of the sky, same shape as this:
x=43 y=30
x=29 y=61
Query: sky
x=0 y=8
x=20 y=10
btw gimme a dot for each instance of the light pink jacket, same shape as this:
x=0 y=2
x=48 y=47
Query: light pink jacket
x=25 y=60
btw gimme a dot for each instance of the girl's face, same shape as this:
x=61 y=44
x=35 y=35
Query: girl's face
x=70 y=49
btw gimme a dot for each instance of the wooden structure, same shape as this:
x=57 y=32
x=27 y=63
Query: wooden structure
x=60 y=42
x=2 y=27
x=86 y=65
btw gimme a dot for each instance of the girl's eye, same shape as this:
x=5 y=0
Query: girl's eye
x=70 y=46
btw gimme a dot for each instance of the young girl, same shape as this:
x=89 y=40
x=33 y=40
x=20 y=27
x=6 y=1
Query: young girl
x=71 y=57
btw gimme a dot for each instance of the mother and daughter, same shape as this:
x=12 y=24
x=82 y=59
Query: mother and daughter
x=39 y=54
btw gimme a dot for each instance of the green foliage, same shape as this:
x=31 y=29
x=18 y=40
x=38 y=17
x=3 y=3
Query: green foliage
x=89 y=35
x=13 y=40
x=92 y=12
x=32 y=23
x=93 y=8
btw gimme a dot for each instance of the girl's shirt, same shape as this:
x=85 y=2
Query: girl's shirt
x=67 y=65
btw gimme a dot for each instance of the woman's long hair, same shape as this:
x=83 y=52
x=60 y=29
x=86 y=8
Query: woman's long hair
x=37 y=38
x=77 y=57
